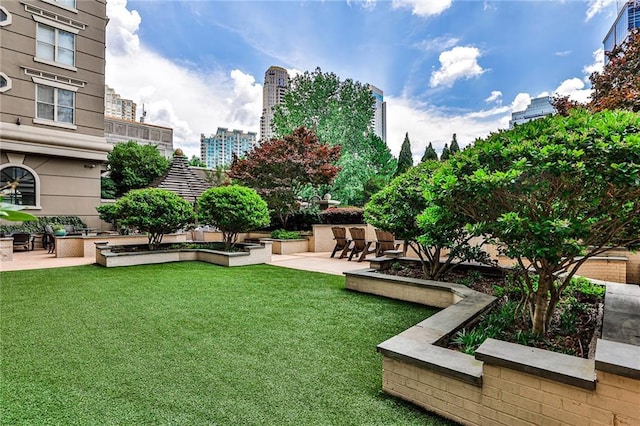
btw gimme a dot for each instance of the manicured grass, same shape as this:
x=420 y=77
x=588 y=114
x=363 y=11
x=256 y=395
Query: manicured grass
x=193 y=343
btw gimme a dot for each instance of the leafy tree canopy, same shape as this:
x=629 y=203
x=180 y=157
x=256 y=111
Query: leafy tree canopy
x=233 y=209
x=152 y=210
x=405 y=208
x=405 y=158
x=552 y=192
x=134 y=166
x=340 y=114
x=429 y=153
x=196 y=162
x=279 y=169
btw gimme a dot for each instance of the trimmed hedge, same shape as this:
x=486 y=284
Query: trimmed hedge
x=342 y=216
x=36 y=226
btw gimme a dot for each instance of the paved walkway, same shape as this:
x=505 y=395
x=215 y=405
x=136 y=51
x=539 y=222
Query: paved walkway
x=318 y=262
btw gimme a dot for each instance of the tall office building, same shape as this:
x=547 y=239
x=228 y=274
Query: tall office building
x=379 y=122
x=52 y=142
x=628 y=18
x=117 y=107
x=538 y=108
x=276 y=82
x=218 y=150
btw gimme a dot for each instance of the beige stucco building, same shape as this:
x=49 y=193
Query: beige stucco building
x=52 y=139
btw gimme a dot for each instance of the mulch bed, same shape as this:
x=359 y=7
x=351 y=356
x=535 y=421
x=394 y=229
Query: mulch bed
x=575 y=322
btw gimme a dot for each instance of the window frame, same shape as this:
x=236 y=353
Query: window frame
x=36 y=184
x=8 y=20
x=42 y=26
x=60 y=4
x=8 y=80
x=56 y=106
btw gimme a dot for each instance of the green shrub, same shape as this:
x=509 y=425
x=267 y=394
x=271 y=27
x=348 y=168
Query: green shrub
x=154 y=211
x=233 y=209
x=36 y=226
x=282 y=234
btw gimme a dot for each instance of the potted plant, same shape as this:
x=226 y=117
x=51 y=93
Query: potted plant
x=59 y=230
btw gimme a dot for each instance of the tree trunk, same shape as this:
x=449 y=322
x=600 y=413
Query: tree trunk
x=541 y=304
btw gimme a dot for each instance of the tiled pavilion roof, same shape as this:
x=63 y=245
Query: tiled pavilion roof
x=180 y=179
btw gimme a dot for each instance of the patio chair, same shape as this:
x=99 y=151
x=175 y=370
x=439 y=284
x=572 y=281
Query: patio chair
x=386 y=241
x=21 y=240
x=48 y=239
x=342 y=242
x=360 y=245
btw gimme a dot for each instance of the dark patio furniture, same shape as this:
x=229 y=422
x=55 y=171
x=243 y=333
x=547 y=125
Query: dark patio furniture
x=21 y=240
x=342 y=242
x=48 y=239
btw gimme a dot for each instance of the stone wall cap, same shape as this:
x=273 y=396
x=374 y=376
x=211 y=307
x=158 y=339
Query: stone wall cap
x=618 y=358
x=554 y=366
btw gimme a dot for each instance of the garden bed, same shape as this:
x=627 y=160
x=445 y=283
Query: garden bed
x=245 y=254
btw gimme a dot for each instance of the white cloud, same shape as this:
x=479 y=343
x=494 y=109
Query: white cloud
x=121 y=30
x=459 y=62
x=437 y=44
x=496 y=96
x=563 y=53
x=596 y=66
x=575 y=89
x=520 y=102
x=426 y=123
x=597 y=6
x=423 y=7
x=366 y=4
x=174 y=95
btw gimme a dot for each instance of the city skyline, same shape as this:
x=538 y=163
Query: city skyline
x=445 y=67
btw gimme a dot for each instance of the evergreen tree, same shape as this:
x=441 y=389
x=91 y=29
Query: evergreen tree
x=454 y=145
x=429 y=154
x=405 y=159
x=446 y=153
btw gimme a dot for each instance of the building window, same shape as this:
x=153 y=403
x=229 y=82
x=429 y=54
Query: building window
x=5 y=17
x=5 y=82
x=68 y=3
x=19 y=186
x=54 y=44
x=55 y=104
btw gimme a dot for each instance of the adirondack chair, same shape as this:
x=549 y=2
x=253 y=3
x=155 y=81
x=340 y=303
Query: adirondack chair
x=386 y=241
x=360 y=245
x=342 y=242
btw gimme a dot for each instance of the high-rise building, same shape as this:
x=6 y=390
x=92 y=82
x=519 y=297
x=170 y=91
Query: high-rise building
x=219 y=149
x=628 y=18
x=276 y=82
x=538 y=108
x=117 y=107
x=52 y=143
x=117 y=130
x=379 y=122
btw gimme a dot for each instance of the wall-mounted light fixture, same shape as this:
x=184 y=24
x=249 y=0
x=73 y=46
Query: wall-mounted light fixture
x=18 y=121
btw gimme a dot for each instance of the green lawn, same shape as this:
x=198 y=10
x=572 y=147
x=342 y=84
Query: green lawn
x=192 y=343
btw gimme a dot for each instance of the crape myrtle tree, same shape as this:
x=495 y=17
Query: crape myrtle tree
x=552 y=193
x=429 y=154
x=405 y=158
x=280 y=168
x=134 y=166
x=402 y=208
x=232 y=209
x=340 y=113
x=154 y=211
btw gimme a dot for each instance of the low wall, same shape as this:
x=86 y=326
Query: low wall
x=6 y=249
x=505 y=383
x=252 y=254
x=289 y=246
x=85 y=246
x=322 y=238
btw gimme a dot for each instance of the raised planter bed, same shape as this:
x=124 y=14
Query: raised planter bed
x=288 y=246
x=250 y=254
x=504 y=383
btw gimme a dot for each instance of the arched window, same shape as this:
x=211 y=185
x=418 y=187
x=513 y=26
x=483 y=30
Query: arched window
x=18 y=186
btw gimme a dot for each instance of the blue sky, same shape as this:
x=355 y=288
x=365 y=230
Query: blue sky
x=445 y=66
